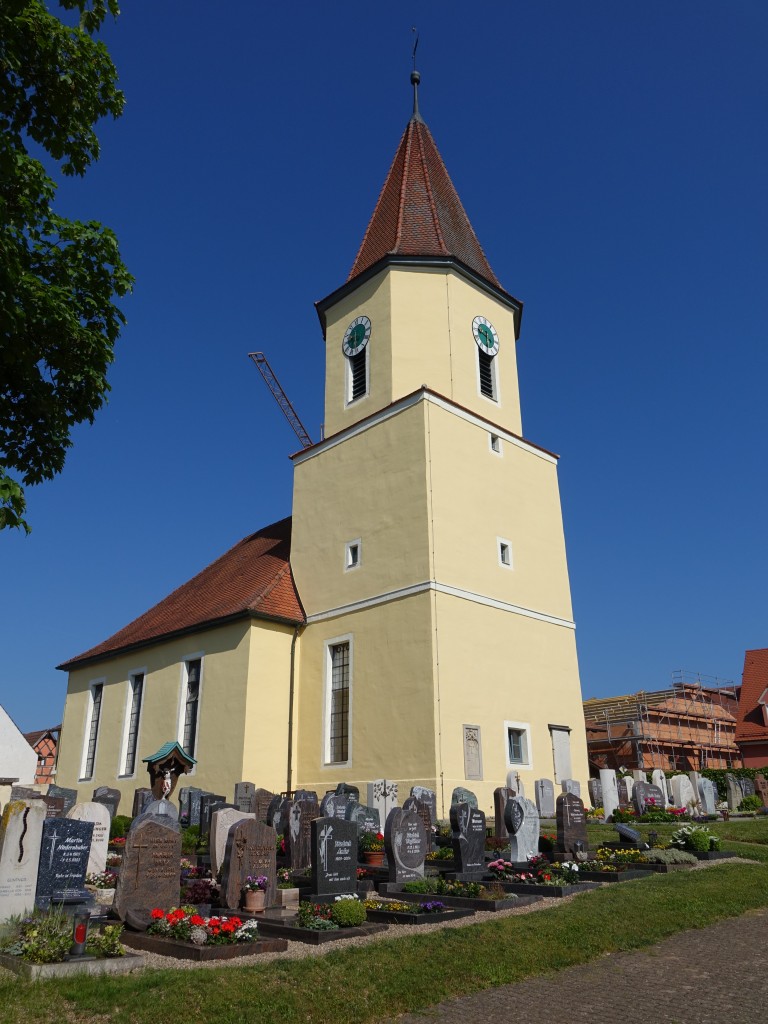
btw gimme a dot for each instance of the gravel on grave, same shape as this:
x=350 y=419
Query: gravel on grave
x=300 y=950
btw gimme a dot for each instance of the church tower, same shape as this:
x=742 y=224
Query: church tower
x=427 y=542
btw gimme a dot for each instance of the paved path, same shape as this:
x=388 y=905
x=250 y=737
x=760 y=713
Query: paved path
x=715 y=975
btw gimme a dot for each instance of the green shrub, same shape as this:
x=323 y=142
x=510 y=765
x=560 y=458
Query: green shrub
x=751 y=803
x=670 y=856
x=107 y=942
x=120 y=825
x=348 y=913
x=189 y=839
x=43 y=938
x=694 y=837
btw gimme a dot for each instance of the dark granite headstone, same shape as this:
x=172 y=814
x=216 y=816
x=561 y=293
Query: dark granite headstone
x=461 y=795
x=334 y=805
x=501 y=796
x=109 y=797
x=25 y=793
x=747 y=786
x=196 y=803
x=413 y=803
x=514 y=815
x=64 y=852
x=274 y=810
x=468 y=824
x=629 y=835
x=209 y=803
x=645 y=795
x=334 y=856
x=429 y=796
x=54 y=806
x=298 y=833
x=406 y=843
x=260 y=803
x=344 y=789
x=595 y=792
x=761 y=787
x=571 y=824
x=244 y=792
x=306 y=794
x=149 y=872
x=142 y=797
x=69 y=795
x=735 y=793
x=250 y=851
x=366 y=818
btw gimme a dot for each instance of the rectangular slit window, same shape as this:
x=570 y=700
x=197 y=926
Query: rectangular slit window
x=495 y=442
x=192 y=705
x=339 y=717
x=357 y=376
x=353 y=555
x=517 y=749
x=505 y=554
x=93 y=733
x=487 y=375
x=137 y=689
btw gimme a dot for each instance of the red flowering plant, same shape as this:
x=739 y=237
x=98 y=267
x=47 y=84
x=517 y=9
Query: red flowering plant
x=184 y=924
x=371 y=842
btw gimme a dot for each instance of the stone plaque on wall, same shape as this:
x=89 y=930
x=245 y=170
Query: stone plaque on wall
x=473 y=755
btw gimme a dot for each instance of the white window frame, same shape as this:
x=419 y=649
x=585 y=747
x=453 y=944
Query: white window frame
x=503 y=544
x=496 y=400
x=525 y=728
x=132 y=675
x=102 y=682
x=495 y=439
x=184 y=670
x=327 y=699
x=350 y=547
x=348 y=399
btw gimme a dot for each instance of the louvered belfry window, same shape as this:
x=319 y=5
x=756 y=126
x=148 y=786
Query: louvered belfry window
x=357 y=375
x=339 y=719
x=487 y=376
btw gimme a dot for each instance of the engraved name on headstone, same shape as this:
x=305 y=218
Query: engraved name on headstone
x=334 y=856
x=243 y=799
x=64 y=851
x=221 y=822
x=21 y=833
x=501 y=796
x=544 y=792
x=461 y=795
x=468 y=825
x=149 y=872
x=99 y=815
x=406 y=843
x=107 y=796
x=645 y=796
x=595 y=792
x=571 y=824
x=522 y=821
x=250 y=850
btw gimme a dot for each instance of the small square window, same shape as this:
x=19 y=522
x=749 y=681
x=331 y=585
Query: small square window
x=518 y=742
x=352 y=553
x=495 y=443
x=505 y=553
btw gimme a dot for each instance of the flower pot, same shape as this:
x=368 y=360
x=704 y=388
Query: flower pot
x=254 y=900
x=373 y=857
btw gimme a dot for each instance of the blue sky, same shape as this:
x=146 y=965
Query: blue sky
x=612 y=160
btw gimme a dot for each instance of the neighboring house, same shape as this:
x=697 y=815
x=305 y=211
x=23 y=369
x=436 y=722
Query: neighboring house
x=685 y=728
x=18 y=761
x=45 y=743
x=412 y=620
x=752 y=723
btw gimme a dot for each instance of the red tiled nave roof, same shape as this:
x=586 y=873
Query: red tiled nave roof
x=749 y=723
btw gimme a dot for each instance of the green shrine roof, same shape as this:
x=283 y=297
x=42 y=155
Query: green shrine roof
x=166 y=750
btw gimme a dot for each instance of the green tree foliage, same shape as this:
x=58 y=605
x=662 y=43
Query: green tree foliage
x=58 y=277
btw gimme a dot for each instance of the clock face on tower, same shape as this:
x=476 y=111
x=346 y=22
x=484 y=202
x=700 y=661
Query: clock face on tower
x=356 y=336
x=485 y=335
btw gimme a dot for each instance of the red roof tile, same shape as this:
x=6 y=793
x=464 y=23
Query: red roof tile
x=750 y=722
x=252 y=579
x=419 y=212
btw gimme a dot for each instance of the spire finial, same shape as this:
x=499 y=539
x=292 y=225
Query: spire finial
x=415 y=78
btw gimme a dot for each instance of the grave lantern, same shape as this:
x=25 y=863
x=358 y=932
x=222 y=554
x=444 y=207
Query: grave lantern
x=80 y=922
x=652 y=837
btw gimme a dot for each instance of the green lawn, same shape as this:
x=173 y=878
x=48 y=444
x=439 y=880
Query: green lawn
x=740 y=830
x=395 y=976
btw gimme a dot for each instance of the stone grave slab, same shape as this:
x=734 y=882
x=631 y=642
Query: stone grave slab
x=626 y=786
x=571 y=786
x=761 y=787
x=208 y=802
x=366 y=818
x=334 y=805
x=162 y=810
x=260 y=803
x=682 y=792
x=306 y=794
x=298 y=834
x=708 y=795
x=274 y=810
x=468 y=825
x=149 y=873
x=610 y=788
x=99 y=815
x=461 y=795
x=544 y=792
x=658 y=778
x=638 y=775
x=21 y=834
x=428 y=796
x=382 y=794
x=107 y=796
x=25 y=793
x=54 y=806
x=243 y=798
x=422 y=808
x=64 y=852
x=595 y=792
x=747 y=786
x=571 y=824
x=141 y=798
x=645 y=795
x=515 y=782
x=735 y=795
x=629 y=835
x=69 y=795
x=221 y=822
x=345 y=789
x=407 y=845
x=501 y=796
x=334 y=856
x=522 y=820
x=251 y=851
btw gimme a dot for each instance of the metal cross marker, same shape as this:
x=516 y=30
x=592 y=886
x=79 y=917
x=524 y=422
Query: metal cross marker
x=139 y=846
x=54 y=837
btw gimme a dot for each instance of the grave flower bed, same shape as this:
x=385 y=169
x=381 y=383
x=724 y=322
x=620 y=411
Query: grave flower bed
x=184 y=933
x=316 y=923
x=461 y=895
x=403 y=912
x=541 y=876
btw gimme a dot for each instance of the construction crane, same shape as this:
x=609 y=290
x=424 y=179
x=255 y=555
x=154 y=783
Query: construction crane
x=266 y=371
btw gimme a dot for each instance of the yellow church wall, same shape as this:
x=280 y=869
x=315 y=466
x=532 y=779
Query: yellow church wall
x=372 y=488
x=497 y=667
x=221 y=713
x=513 y=496
x=391 y=696
x=265 y=759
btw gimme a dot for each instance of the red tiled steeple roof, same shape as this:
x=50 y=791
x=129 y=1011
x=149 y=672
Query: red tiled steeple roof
x=252 y=579
x=419 y=212
x=750 y=724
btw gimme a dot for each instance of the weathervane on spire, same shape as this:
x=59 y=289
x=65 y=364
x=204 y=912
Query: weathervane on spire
x=415 y=77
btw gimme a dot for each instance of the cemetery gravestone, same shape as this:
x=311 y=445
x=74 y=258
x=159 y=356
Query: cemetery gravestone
x=761 y=787
x=735 y=795
x=221 y=822
x=747 y=786
x=260 y=803
x=382 y=794
x=610 y=790
x=595 y=792
x=645 y=795
x=333 y=856
x=625 y=791
x=344 y=789
x=99 y=815
x=142 y=797
x=209 y=802
x=274 y=810
x=250 y=851
x=638 y=775
x=468 y=824
x=428 y=796
x=366 y=818
x=334 y=805
x=21 y=833
x=149 y=872
x=109 y=797
x=571 y=824
x=461 y=795
x=629 y=836
x=158 y=810
x=682 y=792
x=54 y=806
x=69 y=795
x=708 y=795
x=306 y=794
x=571 y=786
x=407 y=844
x=515 y=782
x=64 y=852
x=501 y=796
x=658 y=778
x=244 y=793
x=544 y=791
x=25 y=793
x=423 y=810
x=298 y=834
x=522 y=821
